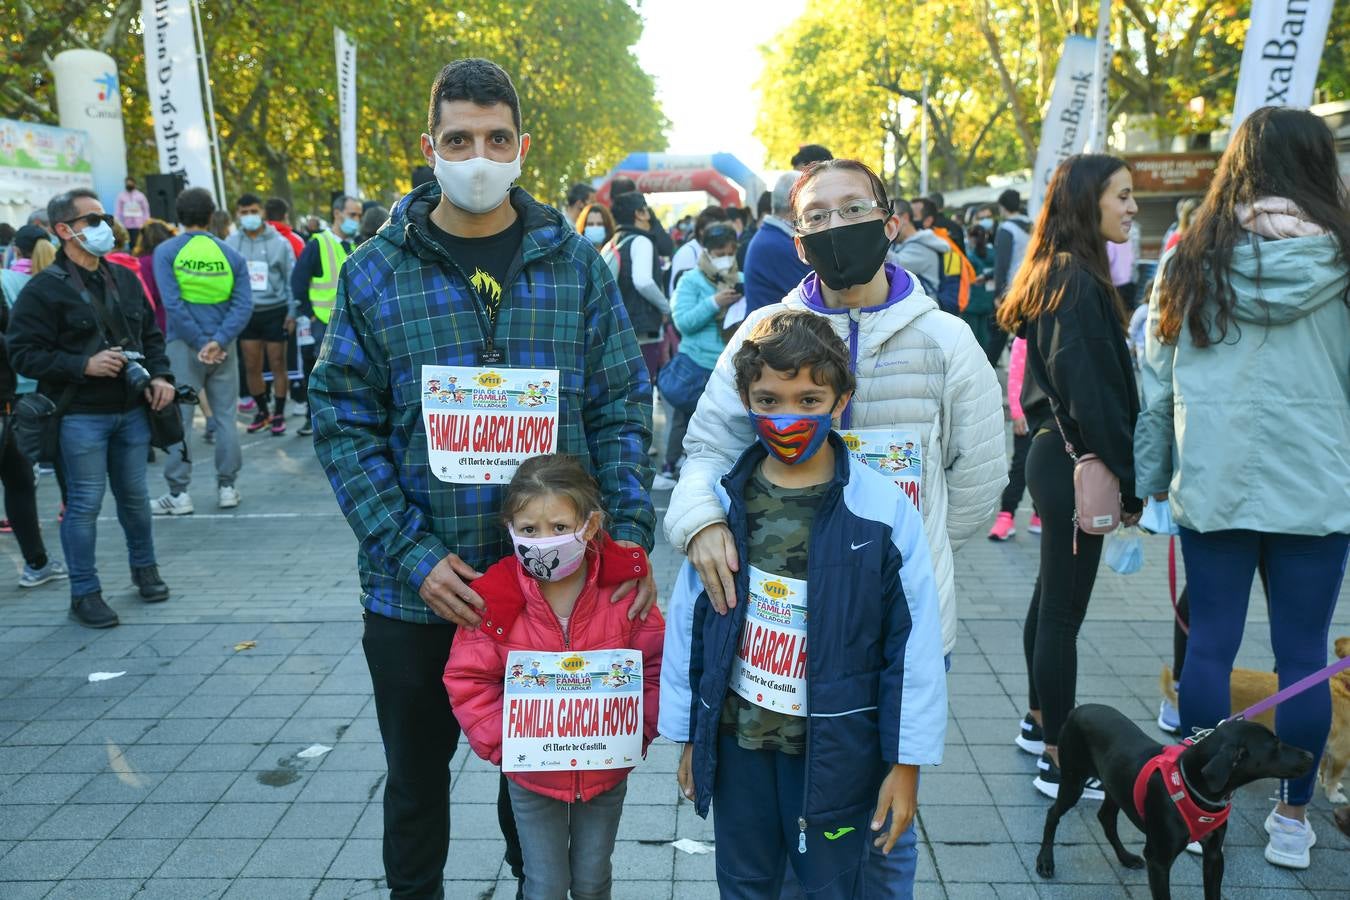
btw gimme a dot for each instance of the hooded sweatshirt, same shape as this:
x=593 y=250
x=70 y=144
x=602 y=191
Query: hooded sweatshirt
x=268 y=253
x=919 y=370
x=921 y=253
x=1253 y=432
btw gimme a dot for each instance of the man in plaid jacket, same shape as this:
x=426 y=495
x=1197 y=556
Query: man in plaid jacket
x=467 y=272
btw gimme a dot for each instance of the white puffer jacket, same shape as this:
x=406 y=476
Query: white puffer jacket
x=918 y=369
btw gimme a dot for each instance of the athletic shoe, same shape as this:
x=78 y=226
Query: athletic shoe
x=248 y=404
x=1290 y=841
x=5 y=527
x=306 y=429
x=1194 y=847
x=91 y=612
x=664 y=481
x=278 y=424
x=260 y=421
x=1048 y=778
x=172 y=505
x=151 y=586
x=1003 y=527
x=1169 y=720
x=1030 y=737
x=32 y=577
x=300 y=409
x=228 y=497
x=1034 y=526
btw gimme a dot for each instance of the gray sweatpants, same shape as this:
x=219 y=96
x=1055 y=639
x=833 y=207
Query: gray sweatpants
x=221 y=386
x=567 y=845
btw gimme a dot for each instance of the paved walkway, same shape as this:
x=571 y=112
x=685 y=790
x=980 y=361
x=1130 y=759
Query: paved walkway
x=181 y=779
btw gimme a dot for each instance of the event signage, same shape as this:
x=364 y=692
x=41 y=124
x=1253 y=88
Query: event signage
x=572 y=711
x=174 y=85
x=346 y=94
x=1281 y=55
x=481 y=424
x=1068 y=123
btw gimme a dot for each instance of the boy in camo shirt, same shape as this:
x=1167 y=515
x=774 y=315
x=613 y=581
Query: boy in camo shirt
x=806 y=752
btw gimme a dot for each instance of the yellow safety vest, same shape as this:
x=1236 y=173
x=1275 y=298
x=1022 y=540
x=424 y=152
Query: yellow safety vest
x=203 y=273
x=323 y=287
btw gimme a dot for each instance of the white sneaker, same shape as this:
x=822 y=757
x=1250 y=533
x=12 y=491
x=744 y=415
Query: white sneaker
x=172 y=505
x=229 y=496
x=1290 y=841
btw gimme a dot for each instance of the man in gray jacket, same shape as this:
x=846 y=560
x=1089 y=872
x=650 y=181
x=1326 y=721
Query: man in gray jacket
x=917 y=250
x=270 y=259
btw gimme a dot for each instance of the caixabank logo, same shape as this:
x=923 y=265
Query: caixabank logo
x=107 y=100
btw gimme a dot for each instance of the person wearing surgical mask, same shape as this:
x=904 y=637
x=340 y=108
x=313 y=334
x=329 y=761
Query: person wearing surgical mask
x=596 y=224
x=471 y=272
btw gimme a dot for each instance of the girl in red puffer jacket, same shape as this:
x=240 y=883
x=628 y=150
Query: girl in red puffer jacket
x=554 y=596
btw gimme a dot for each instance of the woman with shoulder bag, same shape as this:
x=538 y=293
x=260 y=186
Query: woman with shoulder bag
x=1063 y=303
x=1247 y=349
x=698 y=309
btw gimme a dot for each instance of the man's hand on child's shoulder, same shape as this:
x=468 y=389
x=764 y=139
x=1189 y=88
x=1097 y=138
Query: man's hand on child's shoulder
x=898 y=797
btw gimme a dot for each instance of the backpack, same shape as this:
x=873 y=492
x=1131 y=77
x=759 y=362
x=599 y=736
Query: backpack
x=953 y=289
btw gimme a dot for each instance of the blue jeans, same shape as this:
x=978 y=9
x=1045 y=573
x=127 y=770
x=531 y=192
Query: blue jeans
x=1304 y=575
x=98 y=449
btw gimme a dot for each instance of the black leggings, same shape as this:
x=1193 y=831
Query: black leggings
x=1063 y=588
x=16 y=474
x=1017 y=474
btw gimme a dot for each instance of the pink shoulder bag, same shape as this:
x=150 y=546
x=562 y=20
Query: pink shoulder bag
x=1096 y=492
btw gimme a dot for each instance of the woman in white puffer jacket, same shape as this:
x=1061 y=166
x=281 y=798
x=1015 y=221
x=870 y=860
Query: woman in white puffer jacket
x=922 y=379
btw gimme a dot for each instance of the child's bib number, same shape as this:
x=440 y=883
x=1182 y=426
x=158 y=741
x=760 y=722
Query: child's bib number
x=770 y=666
x=894 y=453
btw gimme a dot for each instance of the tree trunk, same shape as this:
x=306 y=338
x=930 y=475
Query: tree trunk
x=1009 y=87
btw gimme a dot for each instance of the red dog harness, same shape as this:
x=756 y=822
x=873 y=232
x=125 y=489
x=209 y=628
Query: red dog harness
x=1199 y=822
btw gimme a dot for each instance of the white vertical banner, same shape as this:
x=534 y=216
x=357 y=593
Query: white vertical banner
x=1068 y=121
x=1281 y=55
x=346 y=94
x=174 y=83
x=1100 y=108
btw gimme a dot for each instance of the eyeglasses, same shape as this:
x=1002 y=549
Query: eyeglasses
x=816 y=219
x=91 y=220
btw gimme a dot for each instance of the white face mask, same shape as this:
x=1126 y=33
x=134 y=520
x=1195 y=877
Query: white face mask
x=723 y=263
x=98 y=240
x=595 y=234
x=477 y=185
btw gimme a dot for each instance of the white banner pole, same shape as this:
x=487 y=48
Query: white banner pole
x=210 y=107
x=1100 y=108
x=346 y=95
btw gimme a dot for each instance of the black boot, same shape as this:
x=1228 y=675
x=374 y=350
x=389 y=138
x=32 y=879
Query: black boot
x=91 y=612
x=152 y=587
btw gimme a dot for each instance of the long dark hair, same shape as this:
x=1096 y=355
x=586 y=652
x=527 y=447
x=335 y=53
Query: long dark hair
x=1276 y=152
x=1067 y=235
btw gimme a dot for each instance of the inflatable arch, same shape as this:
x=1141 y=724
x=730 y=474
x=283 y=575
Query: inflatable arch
x=721 y=190
x=722 y=163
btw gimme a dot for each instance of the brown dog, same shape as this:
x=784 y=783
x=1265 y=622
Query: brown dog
x=1249 y=686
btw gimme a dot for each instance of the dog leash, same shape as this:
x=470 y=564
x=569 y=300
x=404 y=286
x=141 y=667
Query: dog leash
x=1172 y=584
x=1293 y=690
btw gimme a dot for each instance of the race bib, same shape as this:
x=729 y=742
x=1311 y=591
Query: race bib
x=896 y=454
x=770 y=666
x=572 y=711
x=131 y=210
x=482 y=423
x=257 y=275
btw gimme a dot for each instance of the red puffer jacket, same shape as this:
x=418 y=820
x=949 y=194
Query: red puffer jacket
x=519 y=618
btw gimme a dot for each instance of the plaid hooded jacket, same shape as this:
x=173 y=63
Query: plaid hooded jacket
x=403 y=302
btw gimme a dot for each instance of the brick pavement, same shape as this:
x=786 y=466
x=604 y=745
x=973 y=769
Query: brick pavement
x=180 y=779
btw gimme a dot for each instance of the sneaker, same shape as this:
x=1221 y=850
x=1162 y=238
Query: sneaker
x=278 y=424
x=151 y=586
x=228 y=497
x=260 y=421
x=1290 y=841
x=664 y=481
x=1048 y=777
x=1030 y=737
x=300 y=409
x=1169 y=720
x=172 y=504
x=5 y=527
x=32 y=577
x=1003 y=527
x=1034 y=526
x=306 y=429
x=248 y=404
x=91 y=612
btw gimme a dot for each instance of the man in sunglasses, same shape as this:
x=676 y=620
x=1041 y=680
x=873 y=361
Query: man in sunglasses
x=85 y=331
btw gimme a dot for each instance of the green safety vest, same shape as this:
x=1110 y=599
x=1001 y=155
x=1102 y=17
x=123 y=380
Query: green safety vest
x=204 y=274
x=323 y=287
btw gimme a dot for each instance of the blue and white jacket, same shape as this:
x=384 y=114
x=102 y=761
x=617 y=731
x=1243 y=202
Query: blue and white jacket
x=876 y=683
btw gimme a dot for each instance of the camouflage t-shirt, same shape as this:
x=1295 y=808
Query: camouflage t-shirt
x=779 y=522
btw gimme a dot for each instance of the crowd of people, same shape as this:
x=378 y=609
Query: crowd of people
x=831 y=309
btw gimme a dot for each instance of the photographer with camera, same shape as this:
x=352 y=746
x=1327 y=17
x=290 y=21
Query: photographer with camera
x=85 y=331
x=206 y=292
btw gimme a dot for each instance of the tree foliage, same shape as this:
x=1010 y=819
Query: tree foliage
x=584 y=97
x=848 y=74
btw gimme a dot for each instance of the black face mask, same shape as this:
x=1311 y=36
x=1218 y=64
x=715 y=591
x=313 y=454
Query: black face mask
x=849 y=255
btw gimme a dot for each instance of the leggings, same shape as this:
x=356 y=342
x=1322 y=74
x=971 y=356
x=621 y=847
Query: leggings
x=1017 y=473
x=1179 y=639
x=1063 y=588
x=1305 y=575
x=16 y=473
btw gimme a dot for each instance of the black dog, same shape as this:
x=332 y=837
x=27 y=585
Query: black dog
x=1099 y=741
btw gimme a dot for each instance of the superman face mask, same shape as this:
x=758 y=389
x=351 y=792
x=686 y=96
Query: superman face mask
x=792 y=438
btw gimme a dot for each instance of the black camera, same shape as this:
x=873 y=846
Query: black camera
x=185 y=393
x=137 y=378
